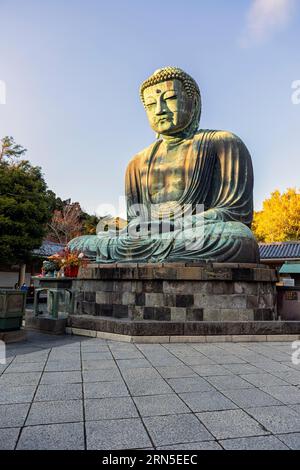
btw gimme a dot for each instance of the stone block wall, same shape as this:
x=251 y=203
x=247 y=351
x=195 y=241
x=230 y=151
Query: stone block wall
x=177 y=292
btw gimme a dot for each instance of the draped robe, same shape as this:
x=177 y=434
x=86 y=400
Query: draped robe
x=218 y=175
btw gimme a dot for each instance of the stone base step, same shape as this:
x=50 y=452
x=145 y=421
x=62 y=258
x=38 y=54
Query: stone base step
x=181 y=329
x=181 y=339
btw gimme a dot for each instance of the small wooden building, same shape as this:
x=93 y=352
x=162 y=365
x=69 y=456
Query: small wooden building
x=285 y=257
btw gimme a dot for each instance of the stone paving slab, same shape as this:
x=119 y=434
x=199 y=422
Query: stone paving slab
x=296 y=408
x=96 y=356
x=207 y=401
x=263 y=380
x=63 y=366
x=131 y=354
x=292 y=378
x=105 y=389
x=231 y=423
x=11 y=394
x=178 y=429
x=31 y=357
x=102 y=375
x=76 y=392
x=190 y=384
x=62 y=377
x=17 y=367
x=63 y=391
x=110 y=408
x=9 y=438
x=254 y=443
x=209 y=445
x=140 y=373
x=164 y=361
x=55 y=412
x=197 y=360
x=20 y=379
x=272 y=367
x=67 y=436
x=116 y=434
x=99 y=365
x=291 y=440
x=246 y=398
x=13 y=415
x=142 y=387
x=240 y=369
x=277 y=419
x=176 y=371
x=289 y=394
x=214 y=370
x=132 y=363
x=160 y=405
x=228 y=382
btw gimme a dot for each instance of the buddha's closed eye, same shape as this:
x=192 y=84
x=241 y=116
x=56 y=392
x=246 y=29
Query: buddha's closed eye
x=173 y=97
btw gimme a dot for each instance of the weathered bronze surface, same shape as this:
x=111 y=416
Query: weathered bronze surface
x=167 y=181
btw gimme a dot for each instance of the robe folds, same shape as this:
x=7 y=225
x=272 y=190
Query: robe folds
x=210 y=219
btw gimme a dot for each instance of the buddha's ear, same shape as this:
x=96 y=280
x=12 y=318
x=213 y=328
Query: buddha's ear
x=157 y=136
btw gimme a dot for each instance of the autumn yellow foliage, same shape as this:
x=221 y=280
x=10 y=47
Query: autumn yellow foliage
x=279 y=219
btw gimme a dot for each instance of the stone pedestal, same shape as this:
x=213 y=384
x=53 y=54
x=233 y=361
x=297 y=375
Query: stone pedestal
x=12 y=308
x=45 y=323
x=13 y=336
x=174 y=294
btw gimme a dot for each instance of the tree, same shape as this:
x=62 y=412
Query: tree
x=65 y=224
x=8 y=148
x=89 y=223
x=280 y=218
x=24 y=207
x=55 y=203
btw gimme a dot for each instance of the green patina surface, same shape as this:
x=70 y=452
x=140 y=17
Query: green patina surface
x=12 y=309
x=183 y=168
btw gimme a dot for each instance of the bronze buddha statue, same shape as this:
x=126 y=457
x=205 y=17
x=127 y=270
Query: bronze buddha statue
x=189 y=194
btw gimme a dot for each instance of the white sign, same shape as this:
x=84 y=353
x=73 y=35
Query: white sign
x=296 y=353
x=2 y=353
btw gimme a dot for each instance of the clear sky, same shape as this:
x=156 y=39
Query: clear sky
x=72 y=70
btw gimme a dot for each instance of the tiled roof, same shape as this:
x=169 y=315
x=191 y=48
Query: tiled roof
x=48 y=249
x=279 y=250
x=290 y=268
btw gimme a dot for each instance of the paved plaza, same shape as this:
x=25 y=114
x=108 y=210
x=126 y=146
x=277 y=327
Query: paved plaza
x=74 y=392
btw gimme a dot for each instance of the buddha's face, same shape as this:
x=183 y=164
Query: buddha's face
x=169 y=108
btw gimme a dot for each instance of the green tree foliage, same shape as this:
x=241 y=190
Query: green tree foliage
x=89 y=223
x=25 y=205
x=55 y=203
x=9 y=149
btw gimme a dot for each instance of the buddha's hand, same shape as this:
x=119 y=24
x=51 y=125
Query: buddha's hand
x=139 y=228
x=210 y=216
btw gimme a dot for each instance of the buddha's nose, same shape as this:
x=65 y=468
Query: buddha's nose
x=160 y=108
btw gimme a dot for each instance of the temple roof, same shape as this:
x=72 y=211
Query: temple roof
x=47 y=248
x=279 y=250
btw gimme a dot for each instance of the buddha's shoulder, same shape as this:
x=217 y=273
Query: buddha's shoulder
x=140 y=158
x=218 y=136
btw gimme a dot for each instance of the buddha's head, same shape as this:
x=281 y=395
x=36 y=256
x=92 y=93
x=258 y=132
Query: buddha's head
x=172 y=101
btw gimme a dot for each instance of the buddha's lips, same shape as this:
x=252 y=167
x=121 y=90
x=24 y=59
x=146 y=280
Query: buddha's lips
x=164 y=119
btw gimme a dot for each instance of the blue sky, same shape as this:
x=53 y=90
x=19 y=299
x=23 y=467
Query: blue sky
x=72 y=70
